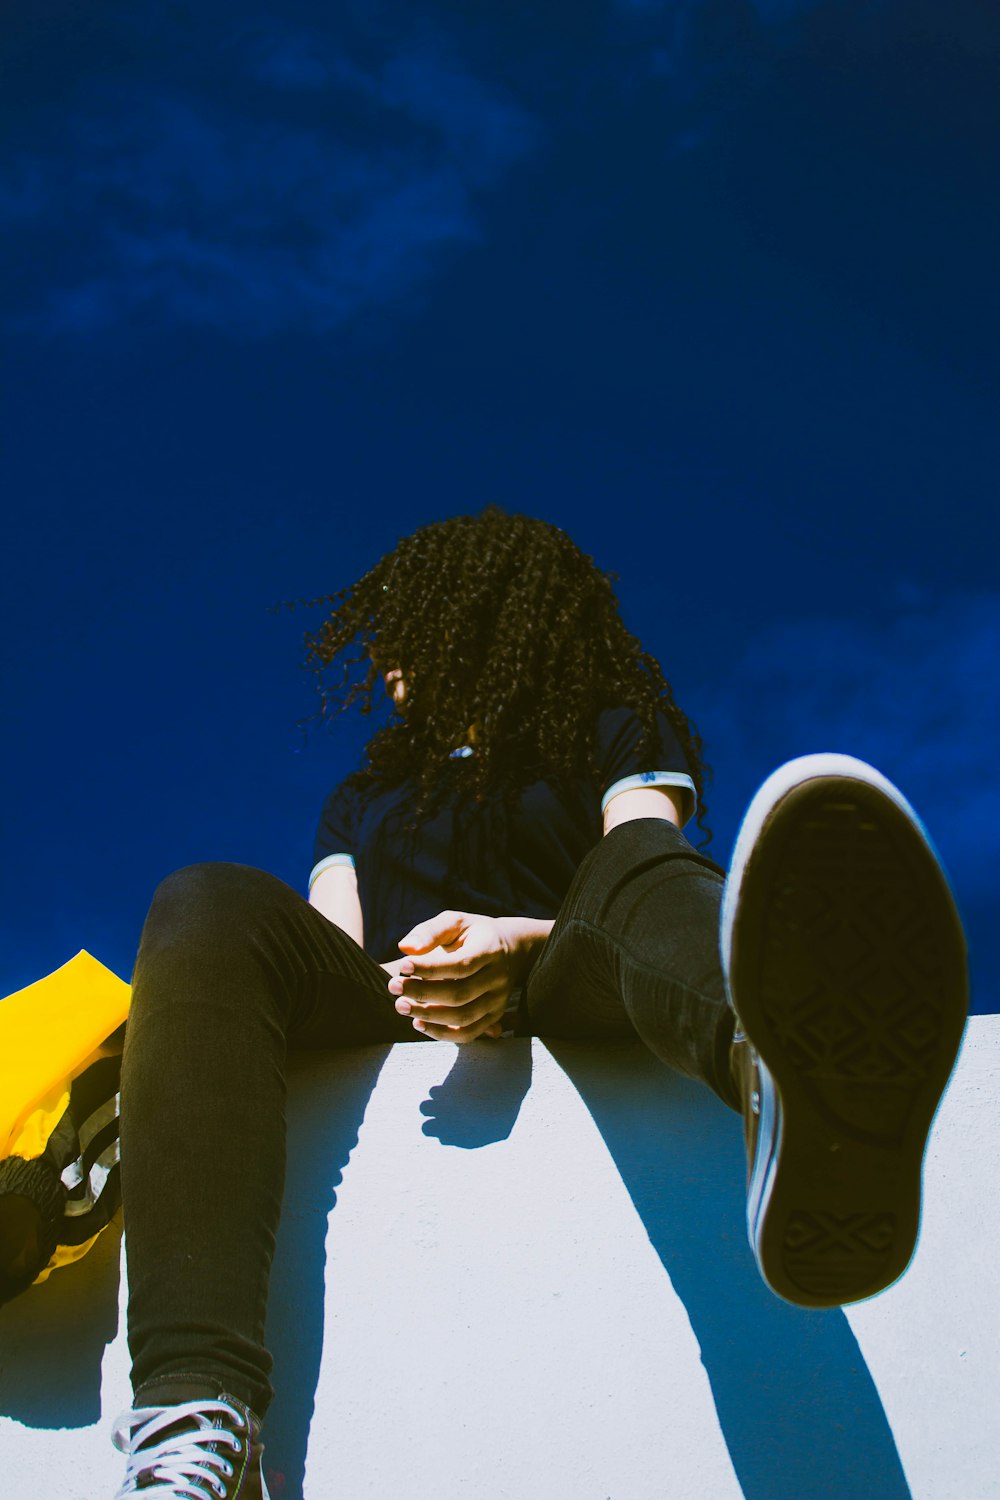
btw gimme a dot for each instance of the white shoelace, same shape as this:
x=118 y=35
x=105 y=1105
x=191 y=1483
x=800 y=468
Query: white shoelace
x=181 y=1465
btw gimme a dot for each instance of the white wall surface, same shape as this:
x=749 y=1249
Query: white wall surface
x=519 y=1272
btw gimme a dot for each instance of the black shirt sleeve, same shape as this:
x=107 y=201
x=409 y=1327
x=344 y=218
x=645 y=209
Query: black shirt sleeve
x=619 y=739
x=335 y=837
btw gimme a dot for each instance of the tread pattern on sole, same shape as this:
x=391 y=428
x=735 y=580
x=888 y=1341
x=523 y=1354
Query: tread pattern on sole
x=855 y=951
x=835 y=1256
x=852 y=973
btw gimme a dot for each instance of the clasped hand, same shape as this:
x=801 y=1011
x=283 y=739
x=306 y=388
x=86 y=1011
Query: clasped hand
x=456 y=976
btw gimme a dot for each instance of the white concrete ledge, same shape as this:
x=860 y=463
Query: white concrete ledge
x=536 y=1286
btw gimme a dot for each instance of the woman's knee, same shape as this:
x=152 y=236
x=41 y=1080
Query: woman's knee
x=208 y=938
x=212 y=898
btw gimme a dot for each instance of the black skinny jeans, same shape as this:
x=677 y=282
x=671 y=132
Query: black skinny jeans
x=234 y=967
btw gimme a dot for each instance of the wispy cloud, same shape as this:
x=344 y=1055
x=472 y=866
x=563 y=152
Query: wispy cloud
x=229 y=206
x=916 y=696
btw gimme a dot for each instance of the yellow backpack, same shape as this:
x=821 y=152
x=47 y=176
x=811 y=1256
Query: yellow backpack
x=60 y=1072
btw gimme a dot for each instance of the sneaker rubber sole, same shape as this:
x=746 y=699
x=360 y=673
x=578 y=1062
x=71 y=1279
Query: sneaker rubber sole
x=846 y=964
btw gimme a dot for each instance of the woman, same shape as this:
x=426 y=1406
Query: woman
x=510 y=859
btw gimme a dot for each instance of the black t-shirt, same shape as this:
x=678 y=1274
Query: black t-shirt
x=484 y=857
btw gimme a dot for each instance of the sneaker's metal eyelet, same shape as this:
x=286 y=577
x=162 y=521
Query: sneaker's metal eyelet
x=226 y=1468
x=237 y=1445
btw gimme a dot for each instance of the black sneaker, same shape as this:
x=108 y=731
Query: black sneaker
x=846 y=966
x=192 y=1450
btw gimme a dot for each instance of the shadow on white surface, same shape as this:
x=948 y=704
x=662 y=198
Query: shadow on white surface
x=359 y=1310
x=798 y=1409
x=53 y=1340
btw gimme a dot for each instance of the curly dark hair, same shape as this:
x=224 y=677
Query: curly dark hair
x=497 y=621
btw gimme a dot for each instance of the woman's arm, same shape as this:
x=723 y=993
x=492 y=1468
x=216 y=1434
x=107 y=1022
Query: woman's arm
x=334 y=892
x=665 y=802
x=524 y=937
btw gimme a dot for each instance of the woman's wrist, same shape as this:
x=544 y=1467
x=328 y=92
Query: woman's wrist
x=524 y=937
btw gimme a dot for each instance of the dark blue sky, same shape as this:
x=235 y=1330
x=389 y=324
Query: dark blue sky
x=711 y=284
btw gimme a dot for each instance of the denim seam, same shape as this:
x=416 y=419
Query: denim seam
x=640 y=963
x=177 y=1376
x=216 y=1377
